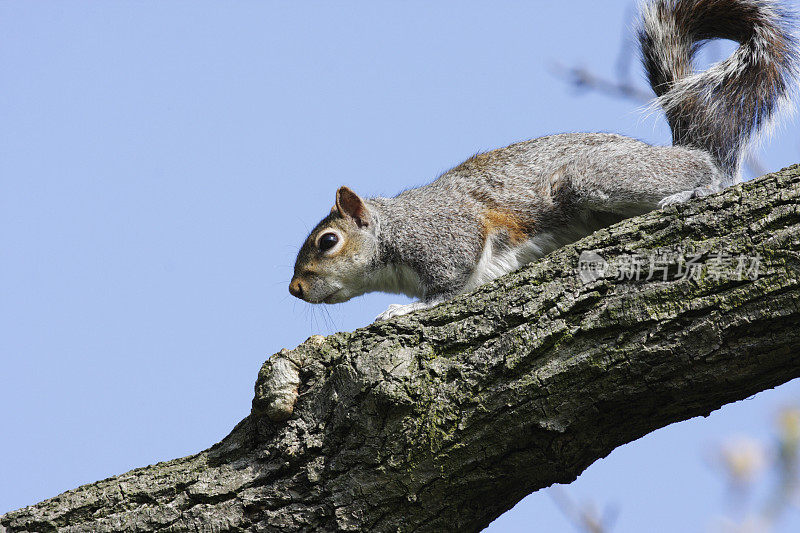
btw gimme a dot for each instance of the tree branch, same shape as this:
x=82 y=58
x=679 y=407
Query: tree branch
x=443 y=419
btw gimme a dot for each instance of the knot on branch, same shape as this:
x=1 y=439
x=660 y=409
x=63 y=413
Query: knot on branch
x=278 y=383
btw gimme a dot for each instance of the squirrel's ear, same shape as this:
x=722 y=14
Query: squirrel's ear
x=350 y=205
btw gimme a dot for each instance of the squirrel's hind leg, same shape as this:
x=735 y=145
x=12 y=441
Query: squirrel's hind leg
x=630 y=178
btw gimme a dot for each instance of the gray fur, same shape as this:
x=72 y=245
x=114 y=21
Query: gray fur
x=501 y=209
x=721 y=109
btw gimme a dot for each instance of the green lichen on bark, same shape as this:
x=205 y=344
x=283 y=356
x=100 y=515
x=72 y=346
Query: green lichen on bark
x=443 y=419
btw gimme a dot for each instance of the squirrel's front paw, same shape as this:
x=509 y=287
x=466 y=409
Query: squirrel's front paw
x=685 y=196
x=400 y=309
x=677 y=198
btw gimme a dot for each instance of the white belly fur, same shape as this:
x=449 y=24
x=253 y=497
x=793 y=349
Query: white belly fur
x=495 y=262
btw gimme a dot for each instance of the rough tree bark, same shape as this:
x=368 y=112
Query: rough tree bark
x=442 y=420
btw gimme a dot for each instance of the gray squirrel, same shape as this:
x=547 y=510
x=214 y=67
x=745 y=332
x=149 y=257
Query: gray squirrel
x=501 y=209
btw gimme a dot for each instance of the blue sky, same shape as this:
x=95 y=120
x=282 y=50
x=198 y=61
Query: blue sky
x=161 y=162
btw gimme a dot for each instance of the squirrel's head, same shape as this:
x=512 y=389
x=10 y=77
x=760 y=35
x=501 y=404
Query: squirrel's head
x=338 y=255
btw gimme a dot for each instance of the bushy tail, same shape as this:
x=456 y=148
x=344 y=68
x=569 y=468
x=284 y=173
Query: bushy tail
x=721 y=109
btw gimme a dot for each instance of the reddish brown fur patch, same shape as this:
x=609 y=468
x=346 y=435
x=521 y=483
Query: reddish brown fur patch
x=478 y=162
x=495 y=220
x=483 y=157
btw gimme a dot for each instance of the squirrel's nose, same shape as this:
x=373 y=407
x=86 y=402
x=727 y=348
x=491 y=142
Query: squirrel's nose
x=296 y=288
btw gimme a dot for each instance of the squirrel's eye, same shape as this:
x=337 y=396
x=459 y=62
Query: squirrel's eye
x=328 y=241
